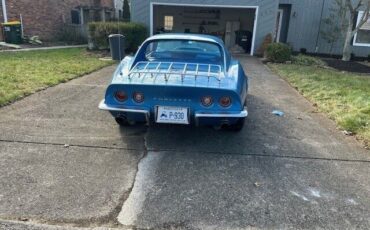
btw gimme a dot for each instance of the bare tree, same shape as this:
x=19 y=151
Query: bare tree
x=335 y=24
x=353 y=6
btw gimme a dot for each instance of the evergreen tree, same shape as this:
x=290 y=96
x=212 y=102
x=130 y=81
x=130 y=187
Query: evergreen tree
x=126 y=11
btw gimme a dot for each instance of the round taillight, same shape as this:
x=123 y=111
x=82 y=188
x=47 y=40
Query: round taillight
x=138 y=97
x=207 y=101
x=121 y=96
x=225 y=101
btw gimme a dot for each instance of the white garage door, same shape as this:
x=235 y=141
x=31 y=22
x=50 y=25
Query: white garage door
x=236 y=26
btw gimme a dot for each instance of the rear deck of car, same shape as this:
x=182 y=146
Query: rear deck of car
x=177 y=74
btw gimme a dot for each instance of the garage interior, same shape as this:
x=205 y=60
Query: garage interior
x=233 y=25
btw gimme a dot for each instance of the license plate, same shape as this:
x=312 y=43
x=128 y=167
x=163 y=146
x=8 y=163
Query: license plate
x=172 y=115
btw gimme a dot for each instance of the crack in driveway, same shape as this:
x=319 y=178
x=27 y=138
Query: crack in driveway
x=109 y=220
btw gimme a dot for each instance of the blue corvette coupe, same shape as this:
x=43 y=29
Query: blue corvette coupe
x=179 y=79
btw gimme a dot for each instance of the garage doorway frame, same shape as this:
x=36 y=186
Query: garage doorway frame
x=152 y=4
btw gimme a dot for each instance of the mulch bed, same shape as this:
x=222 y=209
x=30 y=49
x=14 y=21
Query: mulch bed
x=349 y=66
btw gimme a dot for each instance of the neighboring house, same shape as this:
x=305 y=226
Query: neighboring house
x=296 y=22
x=46 y=18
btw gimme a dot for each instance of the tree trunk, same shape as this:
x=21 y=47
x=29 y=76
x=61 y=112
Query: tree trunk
x=347 y=48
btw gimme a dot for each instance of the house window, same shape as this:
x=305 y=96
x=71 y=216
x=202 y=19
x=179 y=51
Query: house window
x=362 y=37
x=75 y=16
x=168 y=23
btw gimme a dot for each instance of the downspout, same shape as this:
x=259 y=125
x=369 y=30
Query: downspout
x=4 y=11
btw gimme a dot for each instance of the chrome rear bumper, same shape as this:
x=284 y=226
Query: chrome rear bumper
x=243 y=113
x=197 y=116
x=104 y=106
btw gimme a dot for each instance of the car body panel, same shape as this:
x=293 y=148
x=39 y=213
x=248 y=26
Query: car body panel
x=166 y=85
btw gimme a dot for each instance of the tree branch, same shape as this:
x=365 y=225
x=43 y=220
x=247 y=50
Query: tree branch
x=339 y=3
x=359 y=4
x=364 y=18
x=349 y=5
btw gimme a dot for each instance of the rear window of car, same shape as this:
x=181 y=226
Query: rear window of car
x=184 y=51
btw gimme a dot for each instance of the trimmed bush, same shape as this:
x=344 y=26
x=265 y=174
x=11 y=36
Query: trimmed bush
x=278 y=52
x=307 y=60
x=134 y=34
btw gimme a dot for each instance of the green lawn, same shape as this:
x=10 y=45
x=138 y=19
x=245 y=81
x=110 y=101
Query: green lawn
x=23 y=73
x=344 y=97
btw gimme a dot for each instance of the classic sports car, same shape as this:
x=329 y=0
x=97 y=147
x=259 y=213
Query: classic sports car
x=179 y=79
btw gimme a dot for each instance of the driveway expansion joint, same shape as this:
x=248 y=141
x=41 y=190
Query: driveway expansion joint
x=146 y=149
x=265 y=155
x=70 y=145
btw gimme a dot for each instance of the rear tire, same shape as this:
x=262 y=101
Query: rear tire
x=238 y=126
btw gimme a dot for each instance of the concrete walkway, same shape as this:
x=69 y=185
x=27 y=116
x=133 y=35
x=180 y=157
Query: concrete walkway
x=65 y=163
x=44 y=48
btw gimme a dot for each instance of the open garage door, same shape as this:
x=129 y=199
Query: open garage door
x=236 y=26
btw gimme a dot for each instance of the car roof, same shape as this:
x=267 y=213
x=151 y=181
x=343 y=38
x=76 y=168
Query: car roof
x=183 y=36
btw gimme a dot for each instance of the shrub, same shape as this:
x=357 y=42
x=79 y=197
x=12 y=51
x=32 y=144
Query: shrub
x=278 y=52
x=303 y=50
x=307 y=60
x=134 y=34
x=368 y=57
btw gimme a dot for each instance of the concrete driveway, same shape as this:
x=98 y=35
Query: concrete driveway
x=64 y=165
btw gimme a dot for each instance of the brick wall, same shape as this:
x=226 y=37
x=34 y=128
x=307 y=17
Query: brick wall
x=107 y=3
x=45 y=18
